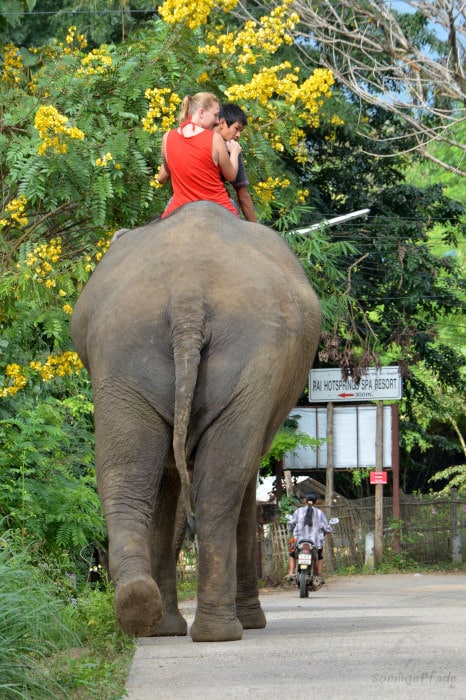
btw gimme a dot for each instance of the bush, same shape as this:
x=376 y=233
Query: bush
x=99 y=667
x=31 y=630
x=56 y=641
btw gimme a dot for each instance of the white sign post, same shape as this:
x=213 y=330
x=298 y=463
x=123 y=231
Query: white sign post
x=377 y=384
x=326 y=386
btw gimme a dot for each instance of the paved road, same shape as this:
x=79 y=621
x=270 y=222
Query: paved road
x=382 y=636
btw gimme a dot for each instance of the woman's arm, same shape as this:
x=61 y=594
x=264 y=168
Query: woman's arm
x=164 y=172
x=163 y=175
x=228 y=162
x=324 y=523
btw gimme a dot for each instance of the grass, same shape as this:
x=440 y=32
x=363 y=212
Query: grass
x=99 y=666
x=57 y=643
x=31 y=630
x=187 y=587
x=399 y=566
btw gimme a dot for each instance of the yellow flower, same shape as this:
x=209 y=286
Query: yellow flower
x=153 y=182
x=98 y=61
x=104 y=161
x=18 y=380
x=161 y=114
x=52 y=127
x=266 y=190
x=71 y=37
x=12 y=65
x=15 y=210
x=42 y=260
x=58 y=365
x=311 y=92
x=194 y=12
x=302 y=195
x=266 y=83
x=257 y=37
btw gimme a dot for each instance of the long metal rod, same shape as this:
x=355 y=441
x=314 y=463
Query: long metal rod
x=335 y=221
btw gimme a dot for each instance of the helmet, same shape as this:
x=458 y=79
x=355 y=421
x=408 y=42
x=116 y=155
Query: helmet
x=311 y=497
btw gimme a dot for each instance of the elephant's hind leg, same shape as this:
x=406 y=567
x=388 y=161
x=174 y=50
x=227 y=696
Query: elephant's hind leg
x=131 y=450
x=248 y=608
x=225 y=466
x=166 y=528
x=250 y=614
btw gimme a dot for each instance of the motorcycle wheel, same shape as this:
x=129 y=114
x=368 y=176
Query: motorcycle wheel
x=312 y=572
x=303 y=589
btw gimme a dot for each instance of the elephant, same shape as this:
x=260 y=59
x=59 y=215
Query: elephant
x=198 y=332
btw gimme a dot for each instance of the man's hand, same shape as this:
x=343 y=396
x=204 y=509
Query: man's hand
x=233 y=146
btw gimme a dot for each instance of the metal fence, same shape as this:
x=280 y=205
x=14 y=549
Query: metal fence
x=430 y=530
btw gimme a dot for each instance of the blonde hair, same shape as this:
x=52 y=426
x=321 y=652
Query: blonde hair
x=192 y=103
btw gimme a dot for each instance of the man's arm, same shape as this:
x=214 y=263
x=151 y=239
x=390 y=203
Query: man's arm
x=242 y=193
x=245 y=202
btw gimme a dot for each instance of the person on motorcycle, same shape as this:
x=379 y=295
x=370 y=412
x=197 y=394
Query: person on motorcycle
x=308 y=523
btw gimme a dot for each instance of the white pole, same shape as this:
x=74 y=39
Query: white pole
x=335 y=221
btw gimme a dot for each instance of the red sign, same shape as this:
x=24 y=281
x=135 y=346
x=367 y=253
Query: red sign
x=378 y=477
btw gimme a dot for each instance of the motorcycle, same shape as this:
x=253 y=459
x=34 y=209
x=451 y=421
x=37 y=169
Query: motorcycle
x=306 y=566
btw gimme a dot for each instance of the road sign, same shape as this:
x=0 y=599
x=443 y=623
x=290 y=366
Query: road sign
x=353 y=446
x=378 y=383
x=378 y=478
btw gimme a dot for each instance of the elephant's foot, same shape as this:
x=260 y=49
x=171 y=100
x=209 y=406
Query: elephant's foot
x=208 y=628
x=252 y=617
x=138 y=606
x=171 y=625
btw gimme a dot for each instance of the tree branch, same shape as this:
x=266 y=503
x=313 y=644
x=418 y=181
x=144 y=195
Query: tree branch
x=379 y=55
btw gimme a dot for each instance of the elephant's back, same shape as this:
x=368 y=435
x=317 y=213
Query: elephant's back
x=201 y=239
x=242 y=271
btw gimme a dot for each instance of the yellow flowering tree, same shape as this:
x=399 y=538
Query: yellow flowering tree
x=81 y=146
x=80 y=139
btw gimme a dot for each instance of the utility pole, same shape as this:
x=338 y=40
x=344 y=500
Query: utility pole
x=378 y=543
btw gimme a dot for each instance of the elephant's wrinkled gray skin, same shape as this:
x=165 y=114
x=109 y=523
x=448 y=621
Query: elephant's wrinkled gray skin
x=198 y=332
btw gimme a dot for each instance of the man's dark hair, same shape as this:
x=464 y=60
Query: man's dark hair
x=232 y=113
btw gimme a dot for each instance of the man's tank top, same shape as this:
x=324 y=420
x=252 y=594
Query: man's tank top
x=194 y=174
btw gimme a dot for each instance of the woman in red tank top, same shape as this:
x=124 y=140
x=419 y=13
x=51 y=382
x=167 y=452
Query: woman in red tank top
x=195 y=157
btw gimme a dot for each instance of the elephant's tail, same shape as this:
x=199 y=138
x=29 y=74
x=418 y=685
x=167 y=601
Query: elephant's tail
x=187 y=324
